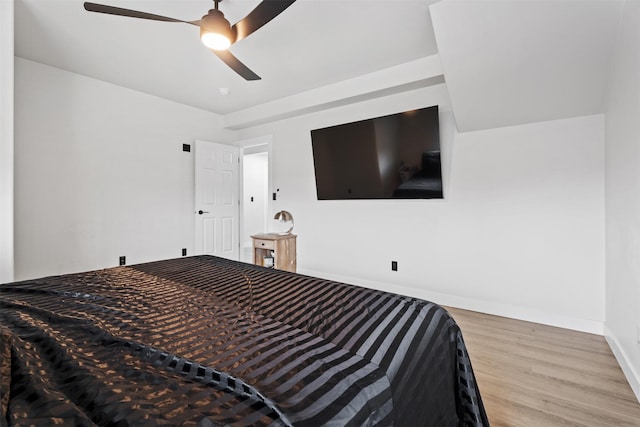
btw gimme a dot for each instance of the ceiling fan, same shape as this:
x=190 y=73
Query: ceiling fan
x=215 y=31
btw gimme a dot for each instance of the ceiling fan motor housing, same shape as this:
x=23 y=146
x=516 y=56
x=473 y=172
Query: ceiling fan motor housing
x=214 y=25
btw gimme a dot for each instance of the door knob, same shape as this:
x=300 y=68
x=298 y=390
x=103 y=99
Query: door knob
x=200 y=212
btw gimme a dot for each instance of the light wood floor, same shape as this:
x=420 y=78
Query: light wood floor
x=535 y=375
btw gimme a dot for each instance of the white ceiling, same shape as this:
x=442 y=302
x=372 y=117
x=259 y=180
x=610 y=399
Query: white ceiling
x=311 y=44
x=505 y=61
x=510 y=62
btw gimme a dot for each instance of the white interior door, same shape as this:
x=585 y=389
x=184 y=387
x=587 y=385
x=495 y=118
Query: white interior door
x=216 y=210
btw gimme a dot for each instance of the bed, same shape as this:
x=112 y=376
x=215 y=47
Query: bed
x=205 y=341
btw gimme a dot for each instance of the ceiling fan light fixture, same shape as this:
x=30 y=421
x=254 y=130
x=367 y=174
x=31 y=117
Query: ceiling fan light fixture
x=215 y=30
x=215 y=41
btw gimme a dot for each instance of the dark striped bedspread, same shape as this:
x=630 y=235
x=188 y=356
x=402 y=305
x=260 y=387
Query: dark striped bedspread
x=204 y=341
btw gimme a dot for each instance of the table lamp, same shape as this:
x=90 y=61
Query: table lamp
x=284 y=216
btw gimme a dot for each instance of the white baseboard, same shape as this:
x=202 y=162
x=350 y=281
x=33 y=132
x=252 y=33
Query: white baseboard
x=633 y=377
x=483 y=306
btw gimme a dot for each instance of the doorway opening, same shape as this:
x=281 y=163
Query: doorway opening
x=255 y=206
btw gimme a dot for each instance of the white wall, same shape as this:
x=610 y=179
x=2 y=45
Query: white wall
x=6 y=141
x=100 y=172
x=519 y=233
x=527 y=211
x=623 y=198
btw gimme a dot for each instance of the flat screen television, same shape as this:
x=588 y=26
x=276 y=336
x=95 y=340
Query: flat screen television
x=389 y=157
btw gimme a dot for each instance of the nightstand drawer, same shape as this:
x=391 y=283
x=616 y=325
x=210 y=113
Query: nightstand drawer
x=263 y=244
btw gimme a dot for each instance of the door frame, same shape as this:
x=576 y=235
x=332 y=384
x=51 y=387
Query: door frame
x=246 y=145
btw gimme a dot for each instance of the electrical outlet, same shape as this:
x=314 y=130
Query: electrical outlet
x=123 y=260
x=184 y=251
x=394 y=265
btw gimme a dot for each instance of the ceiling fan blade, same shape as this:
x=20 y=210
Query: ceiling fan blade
x=112 y=10
x=262 y=14
x=235 y=64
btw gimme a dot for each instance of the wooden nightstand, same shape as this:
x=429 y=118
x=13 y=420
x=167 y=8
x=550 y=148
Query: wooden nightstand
x=282 y=247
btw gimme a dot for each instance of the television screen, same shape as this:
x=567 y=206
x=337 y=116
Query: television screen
x=390 y=157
